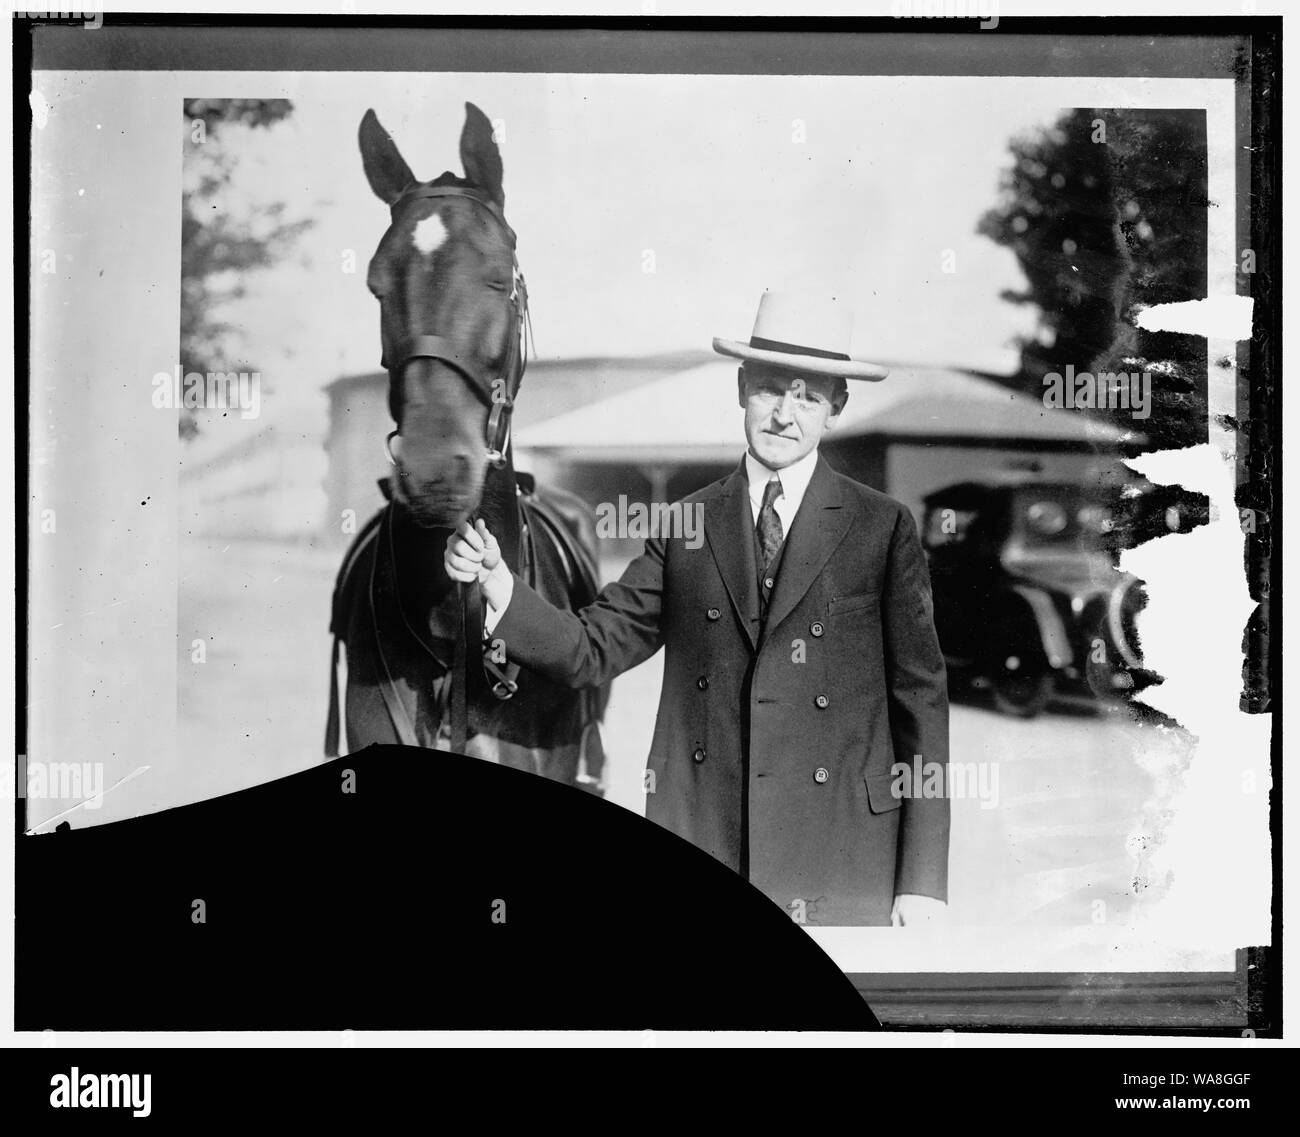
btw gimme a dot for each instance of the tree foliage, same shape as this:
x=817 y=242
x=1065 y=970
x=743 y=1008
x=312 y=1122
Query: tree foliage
x=221 y=247
x=1106 y=211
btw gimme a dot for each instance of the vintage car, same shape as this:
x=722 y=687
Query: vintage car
x=1028 y=599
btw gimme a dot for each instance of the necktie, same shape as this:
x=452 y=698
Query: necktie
x=770 y=534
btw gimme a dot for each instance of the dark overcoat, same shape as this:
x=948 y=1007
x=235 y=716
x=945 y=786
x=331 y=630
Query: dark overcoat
x=775 y=737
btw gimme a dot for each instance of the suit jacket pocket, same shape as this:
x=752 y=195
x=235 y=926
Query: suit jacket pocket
x=880 y=794
x=843 y=604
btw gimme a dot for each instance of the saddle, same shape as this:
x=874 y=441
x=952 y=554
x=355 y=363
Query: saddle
x=413 y=672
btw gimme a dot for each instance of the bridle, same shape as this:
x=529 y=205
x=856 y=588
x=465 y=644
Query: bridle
x=498 y=391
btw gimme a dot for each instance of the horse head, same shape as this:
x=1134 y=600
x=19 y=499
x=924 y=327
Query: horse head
x=452 y=315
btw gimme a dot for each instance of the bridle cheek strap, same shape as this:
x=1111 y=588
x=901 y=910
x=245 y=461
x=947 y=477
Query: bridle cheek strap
x=498 y=433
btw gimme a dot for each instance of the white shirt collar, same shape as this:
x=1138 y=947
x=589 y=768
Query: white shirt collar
x=794 y=481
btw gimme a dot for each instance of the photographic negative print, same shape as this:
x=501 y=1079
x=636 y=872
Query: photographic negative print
x=847 y=449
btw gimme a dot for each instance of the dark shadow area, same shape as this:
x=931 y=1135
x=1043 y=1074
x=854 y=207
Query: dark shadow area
x=443 y=892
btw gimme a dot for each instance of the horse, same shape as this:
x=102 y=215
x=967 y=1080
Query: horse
x=455 y=331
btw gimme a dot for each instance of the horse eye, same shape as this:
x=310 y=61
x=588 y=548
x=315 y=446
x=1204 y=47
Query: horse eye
x=498 y=285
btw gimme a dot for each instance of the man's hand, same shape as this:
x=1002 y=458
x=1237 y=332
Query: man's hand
x=472 y=555
x=912 y=911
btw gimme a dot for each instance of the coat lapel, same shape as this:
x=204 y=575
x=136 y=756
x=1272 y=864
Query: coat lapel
x=819 y=527
x=729 y=528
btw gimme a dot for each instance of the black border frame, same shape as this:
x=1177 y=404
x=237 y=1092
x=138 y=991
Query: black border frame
x=1246 y=1000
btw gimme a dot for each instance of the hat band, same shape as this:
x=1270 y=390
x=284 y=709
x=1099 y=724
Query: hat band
x=795 y=349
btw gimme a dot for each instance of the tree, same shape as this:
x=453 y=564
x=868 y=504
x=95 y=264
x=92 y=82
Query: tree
x=219 y=249
x=1106 y=213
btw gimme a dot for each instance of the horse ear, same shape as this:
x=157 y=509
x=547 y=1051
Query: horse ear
x=386 y=169
x=479 y=154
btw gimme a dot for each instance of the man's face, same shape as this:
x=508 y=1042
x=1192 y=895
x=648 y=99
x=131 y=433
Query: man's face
x=787 y=412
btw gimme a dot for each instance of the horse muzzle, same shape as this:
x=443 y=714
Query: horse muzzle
x=439 y=509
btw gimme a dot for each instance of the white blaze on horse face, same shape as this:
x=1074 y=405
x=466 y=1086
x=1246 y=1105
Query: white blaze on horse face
x=429 y=234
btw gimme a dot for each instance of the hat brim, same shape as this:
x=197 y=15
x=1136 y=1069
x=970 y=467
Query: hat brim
x=845 y=368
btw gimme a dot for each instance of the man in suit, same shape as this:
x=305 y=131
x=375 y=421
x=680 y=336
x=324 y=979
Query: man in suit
x=801 y=661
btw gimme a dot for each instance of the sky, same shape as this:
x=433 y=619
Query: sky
x=724 y=186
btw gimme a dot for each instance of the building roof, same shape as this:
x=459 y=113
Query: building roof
x=553 y=386
x=693 y=415
x=248 y=442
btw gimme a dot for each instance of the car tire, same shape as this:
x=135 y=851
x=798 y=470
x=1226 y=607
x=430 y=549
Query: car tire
x=1017 y=670
x=1113 y=660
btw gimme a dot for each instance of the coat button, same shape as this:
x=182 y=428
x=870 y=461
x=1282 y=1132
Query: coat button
x=714 y=613
x=699 y=754
x=702 y=682
x=823 y=702
x=821 y=774
x=817 y=628
x=769 y=583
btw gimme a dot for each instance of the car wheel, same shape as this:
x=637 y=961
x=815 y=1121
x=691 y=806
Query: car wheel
x=1110 y=632
x=1107 y=682
x=1021 y=679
